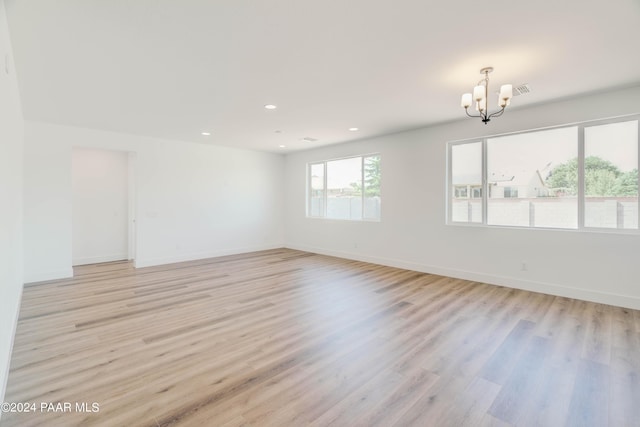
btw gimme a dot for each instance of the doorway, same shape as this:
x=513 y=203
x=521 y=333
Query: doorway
x=103 y=206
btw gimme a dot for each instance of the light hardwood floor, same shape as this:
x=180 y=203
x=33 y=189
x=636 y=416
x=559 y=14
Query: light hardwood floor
x=288 y=338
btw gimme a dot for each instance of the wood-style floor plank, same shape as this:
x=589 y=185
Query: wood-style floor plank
x=590 y=400
x=509 y=404
x=290 y=338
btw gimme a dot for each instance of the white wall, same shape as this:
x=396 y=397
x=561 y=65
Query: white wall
x=193 y=200
x=11 y=137
x=412 y=234
x=100 y=218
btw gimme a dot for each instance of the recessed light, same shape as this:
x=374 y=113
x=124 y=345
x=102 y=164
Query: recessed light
x=282 y=146
x=354 y=129
x=270 y=107
x=277 y=131
x=206 y=133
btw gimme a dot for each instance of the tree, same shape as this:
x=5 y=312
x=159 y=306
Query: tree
x=627 y=184
x=564 y=178
x=371 y=178
x=601 y=178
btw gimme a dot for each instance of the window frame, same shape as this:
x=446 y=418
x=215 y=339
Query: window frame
x=581 y=197
x=324 y=216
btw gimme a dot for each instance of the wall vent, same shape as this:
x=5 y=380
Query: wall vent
x=521 y=89
x=309 y=139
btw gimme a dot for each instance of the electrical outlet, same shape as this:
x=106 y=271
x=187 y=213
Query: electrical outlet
x=524 y=266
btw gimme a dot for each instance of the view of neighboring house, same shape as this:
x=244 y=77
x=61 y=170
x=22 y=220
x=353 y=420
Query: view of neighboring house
x=522 y=184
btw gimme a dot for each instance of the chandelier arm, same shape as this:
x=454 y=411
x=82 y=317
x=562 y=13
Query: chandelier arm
x=497 y=113
x=466 y=110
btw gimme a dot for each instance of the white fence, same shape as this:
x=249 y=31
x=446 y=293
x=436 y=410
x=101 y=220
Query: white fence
x=347 y=207
x=605 y=212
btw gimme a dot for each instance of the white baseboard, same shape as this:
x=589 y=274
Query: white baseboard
x=5 y=378
x=139 y=263
x=31 y=277
x=511 y=282
x=41 y=276
x=99 y=259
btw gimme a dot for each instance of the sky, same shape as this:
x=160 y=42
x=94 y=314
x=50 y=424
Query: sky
x=616 y=142
x=527 y=152
x=341 y=173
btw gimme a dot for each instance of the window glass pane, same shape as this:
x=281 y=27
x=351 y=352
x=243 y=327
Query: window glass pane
x=611 y=175
x=344 y=188
x=372 y=187
x=532 y=179
x=466 y=182
x=316 y=186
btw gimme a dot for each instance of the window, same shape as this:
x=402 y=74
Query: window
x=316 y=189
x=466 y=171
x=476 y=192
x=572 y=177
x=611 y=175
x=345 y=188
x=510 y=192
x=461 y=191
x=518 y=176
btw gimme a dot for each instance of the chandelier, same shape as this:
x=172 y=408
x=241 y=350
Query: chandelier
x=480 y=96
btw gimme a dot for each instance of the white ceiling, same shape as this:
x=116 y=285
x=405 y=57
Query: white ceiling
x=173 y=69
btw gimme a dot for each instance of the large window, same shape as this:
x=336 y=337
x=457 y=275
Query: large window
x=345 y=188
x=570 y=177
x=519 y=169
